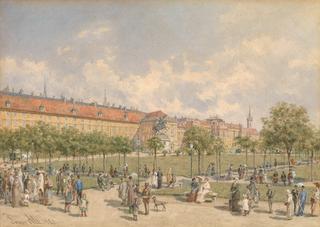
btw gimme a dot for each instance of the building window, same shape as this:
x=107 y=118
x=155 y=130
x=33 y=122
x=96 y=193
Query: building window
x=99 y=114
x=73 y=111
x=41 y=108
x=125 y=115
x=8 y=104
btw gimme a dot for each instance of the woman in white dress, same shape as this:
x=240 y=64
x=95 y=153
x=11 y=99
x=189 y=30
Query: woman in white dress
x=154 y=179
x=204 y=189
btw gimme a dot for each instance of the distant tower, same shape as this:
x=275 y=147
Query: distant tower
x=249 y=119
x=45 y=86
x=105 y=97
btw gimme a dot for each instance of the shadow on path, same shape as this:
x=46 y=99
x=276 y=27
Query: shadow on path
x=113 y=203
x=59 y=209
x=128 y=218
x=260 y=211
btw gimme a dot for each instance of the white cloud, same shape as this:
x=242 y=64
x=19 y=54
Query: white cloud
x=93 y=32
x=63 y=50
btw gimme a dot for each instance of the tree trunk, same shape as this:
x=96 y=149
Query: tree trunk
x=45 y=160
x=79 y=160
x=289 y=155
x=92 y=157
x=254 y=158
x=27 y=158
x=202 y=162
x=311 y=167
x=264 y=157
x=124 y=158
x=219 y=164
x=155 y=159
x=104 y=162
x=199 y=155
x=247 y=157
x=119 y=159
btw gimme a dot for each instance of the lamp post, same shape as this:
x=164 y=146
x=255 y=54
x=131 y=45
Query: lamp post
x=191 y=151
x=138 y=146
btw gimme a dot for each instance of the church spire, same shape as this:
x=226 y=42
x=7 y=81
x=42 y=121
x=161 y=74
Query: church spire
x=45 y=86
x=105 y=97
x=249 y=119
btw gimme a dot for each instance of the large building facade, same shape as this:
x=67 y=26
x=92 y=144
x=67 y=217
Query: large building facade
x=18 y=110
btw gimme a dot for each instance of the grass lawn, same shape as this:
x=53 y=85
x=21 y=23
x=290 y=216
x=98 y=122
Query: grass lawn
x=179 y=164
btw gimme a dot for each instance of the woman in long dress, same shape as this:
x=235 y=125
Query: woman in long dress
x=40 y=187
x=203 y=190
x=34 y=190
x=155 y=179
x=130 y=192
x=122 y=192
x=47 y=191
x=16 y=189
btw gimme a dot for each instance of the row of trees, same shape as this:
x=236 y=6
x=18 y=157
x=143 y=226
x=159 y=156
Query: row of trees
x=287 y=129
x=43 y=140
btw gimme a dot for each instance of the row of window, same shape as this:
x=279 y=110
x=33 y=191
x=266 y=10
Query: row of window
x=73 y=110
x=56 y=119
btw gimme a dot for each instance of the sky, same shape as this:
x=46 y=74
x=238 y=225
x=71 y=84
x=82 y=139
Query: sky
x=187 y=58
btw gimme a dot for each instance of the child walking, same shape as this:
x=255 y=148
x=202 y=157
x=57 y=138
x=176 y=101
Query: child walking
x=245 y=205
x=83 y=205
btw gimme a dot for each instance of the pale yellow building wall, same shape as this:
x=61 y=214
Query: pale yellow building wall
x=14 y=120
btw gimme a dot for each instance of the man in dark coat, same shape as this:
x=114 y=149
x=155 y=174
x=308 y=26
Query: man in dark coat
x=235 y=196
x=159 y=175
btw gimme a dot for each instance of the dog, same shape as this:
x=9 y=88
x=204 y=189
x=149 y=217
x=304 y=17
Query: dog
x=158 y=203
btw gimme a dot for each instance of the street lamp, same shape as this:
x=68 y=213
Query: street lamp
x=138 y=147
x=191 y=151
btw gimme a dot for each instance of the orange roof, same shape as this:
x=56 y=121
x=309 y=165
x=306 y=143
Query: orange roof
x=156 y=114
x=25 y=103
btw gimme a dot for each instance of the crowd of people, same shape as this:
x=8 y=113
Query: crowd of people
x=295 y=201
x=19 y=187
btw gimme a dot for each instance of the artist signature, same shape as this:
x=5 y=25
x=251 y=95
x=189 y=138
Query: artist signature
x=27 y=219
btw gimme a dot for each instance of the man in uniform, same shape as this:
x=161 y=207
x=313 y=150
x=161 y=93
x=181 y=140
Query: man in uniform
x=270 y=194
x=146 y=193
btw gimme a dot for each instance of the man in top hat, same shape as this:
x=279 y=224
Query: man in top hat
x=302 y=201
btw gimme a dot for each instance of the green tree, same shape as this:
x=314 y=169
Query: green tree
x=286 y=127
x=155 y=144
x=314 y=149
x=200 y=139
x=4 y=136
x=217 y=146
x=244 y=143
x=122 y=145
